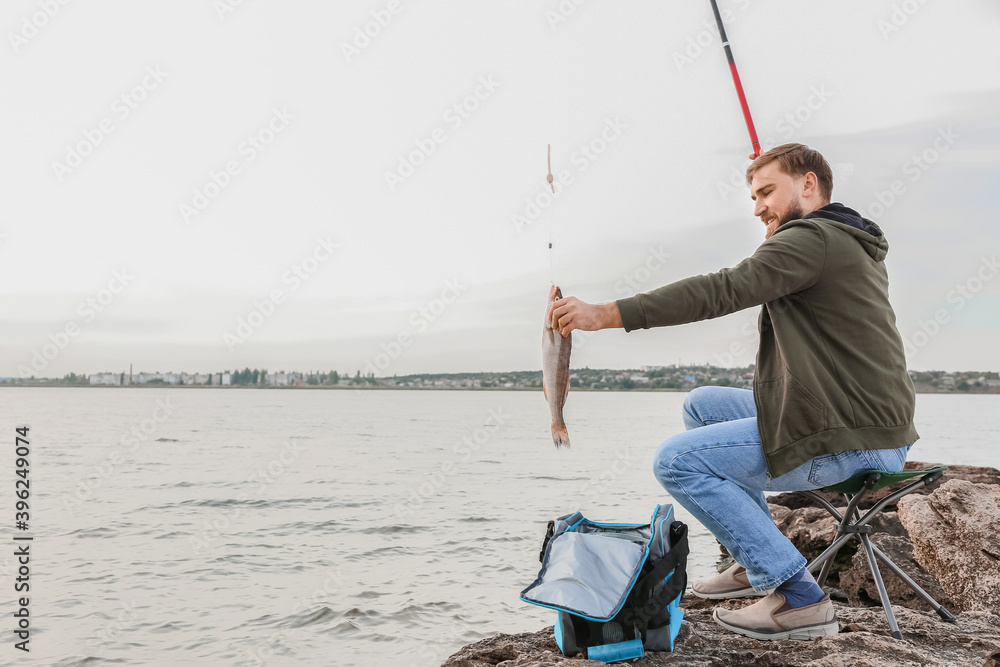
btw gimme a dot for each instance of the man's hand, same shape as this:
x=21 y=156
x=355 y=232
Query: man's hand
x=571 y=313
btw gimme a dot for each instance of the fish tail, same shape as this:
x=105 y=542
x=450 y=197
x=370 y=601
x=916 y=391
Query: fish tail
x=560 y=436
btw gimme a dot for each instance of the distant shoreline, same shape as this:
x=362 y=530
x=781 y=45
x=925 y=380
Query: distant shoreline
x=363 y=387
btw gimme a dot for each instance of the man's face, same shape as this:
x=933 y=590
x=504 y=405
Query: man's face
x=776 y=196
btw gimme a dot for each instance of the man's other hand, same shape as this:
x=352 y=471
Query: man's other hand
x=570 y=313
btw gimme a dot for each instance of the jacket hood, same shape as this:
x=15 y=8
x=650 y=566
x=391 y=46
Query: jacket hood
x=868 y=234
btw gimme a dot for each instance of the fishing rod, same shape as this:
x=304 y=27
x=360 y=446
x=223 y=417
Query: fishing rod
x=736 y=81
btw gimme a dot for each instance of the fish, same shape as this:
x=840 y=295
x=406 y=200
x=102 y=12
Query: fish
x=555 y=371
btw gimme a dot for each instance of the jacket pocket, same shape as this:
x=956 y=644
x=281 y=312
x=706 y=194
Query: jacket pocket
x=788 y=411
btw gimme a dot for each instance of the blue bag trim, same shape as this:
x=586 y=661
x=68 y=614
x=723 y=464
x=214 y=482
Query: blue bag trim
x=581 y=615
x=610 y=525
x=558 y=629
x=676 y=616
x=615 y=652
x=670 y=512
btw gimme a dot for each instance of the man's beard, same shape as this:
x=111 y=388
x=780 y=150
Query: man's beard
x=793 y=213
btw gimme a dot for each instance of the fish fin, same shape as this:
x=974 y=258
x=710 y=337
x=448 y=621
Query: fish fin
x=545 y=393
x=566 y=393
x=560 y=436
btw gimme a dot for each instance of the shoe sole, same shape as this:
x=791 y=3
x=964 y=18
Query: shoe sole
x=742 y=593
x=804 y=633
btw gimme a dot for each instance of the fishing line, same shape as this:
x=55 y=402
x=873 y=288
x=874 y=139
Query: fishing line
x=736 y=82
x=550 y=179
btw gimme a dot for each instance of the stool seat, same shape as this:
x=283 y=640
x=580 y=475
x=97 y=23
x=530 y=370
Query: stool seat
x=856 y=483
x=854 y=525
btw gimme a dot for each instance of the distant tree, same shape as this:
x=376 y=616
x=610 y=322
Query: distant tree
x=263 y=376
x=724 y=382
x=255 y=376
x=209 y=379
x=574 y=382
x=312 y=379
x=963 y=386
x=121 y=380
x=627 y=383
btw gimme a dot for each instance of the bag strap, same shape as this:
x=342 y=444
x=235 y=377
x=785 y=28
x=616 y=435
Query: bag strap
x=652 y=592
x=549 y=532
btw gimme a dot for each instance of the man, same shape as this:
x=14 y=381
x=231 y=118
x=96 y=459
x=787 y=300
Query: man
x=831 y=394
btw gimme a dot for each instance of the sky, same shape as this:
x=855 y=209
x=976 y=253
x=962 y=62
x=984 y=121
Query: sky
x=212 y=185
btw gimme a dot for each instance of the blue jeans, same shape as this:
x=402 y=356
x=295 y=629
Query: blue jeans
x=716 y=471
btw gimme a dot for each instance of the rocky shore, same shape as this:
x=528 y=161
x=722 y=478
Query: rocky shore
x=946 y=537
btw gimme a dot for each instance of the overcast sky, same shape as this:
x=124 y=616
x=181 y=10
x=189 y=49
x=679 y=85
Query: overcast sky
x=202 y=186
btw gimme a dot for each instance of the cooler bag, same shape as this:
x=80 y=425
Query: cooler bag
x=616 y=587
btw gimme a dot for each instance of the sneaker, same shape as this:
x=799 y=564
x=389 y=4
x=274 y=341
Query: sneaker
x=733 y=583
x=773 y=618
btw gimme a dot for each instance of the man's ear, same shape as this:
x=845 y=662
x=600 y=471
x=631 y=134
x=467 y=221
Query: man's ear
x=810 y=185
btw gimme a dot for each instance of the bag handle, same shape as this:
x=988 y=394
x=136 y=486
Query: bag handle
x=653 y=592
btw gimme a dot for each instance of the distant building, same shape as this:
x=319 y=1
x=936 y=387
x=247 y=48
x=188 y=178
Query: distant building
x=284 y=379
x=106 y=378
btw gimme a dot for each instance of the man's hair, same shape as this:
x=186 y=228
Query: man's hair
x=797 y=160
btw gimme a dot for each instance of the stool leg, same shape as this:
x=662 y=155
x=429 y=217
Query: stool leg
x=882 y=593
x=825 y=572
x=827 y=557
x=942 y=612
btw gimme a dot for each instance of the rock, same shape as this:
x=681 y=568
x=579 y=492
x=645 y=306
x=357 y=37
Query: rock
x=810 y=529
x=531 y=648
x=975 y=474
x=956 y=538
x=864 y=641
x=859 y=585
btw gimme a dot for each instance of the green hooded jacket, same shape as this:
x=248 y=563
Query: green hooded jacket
x=831 y=373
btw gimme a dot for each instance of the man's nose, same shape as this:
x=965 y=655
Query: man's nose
x=758 y=208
